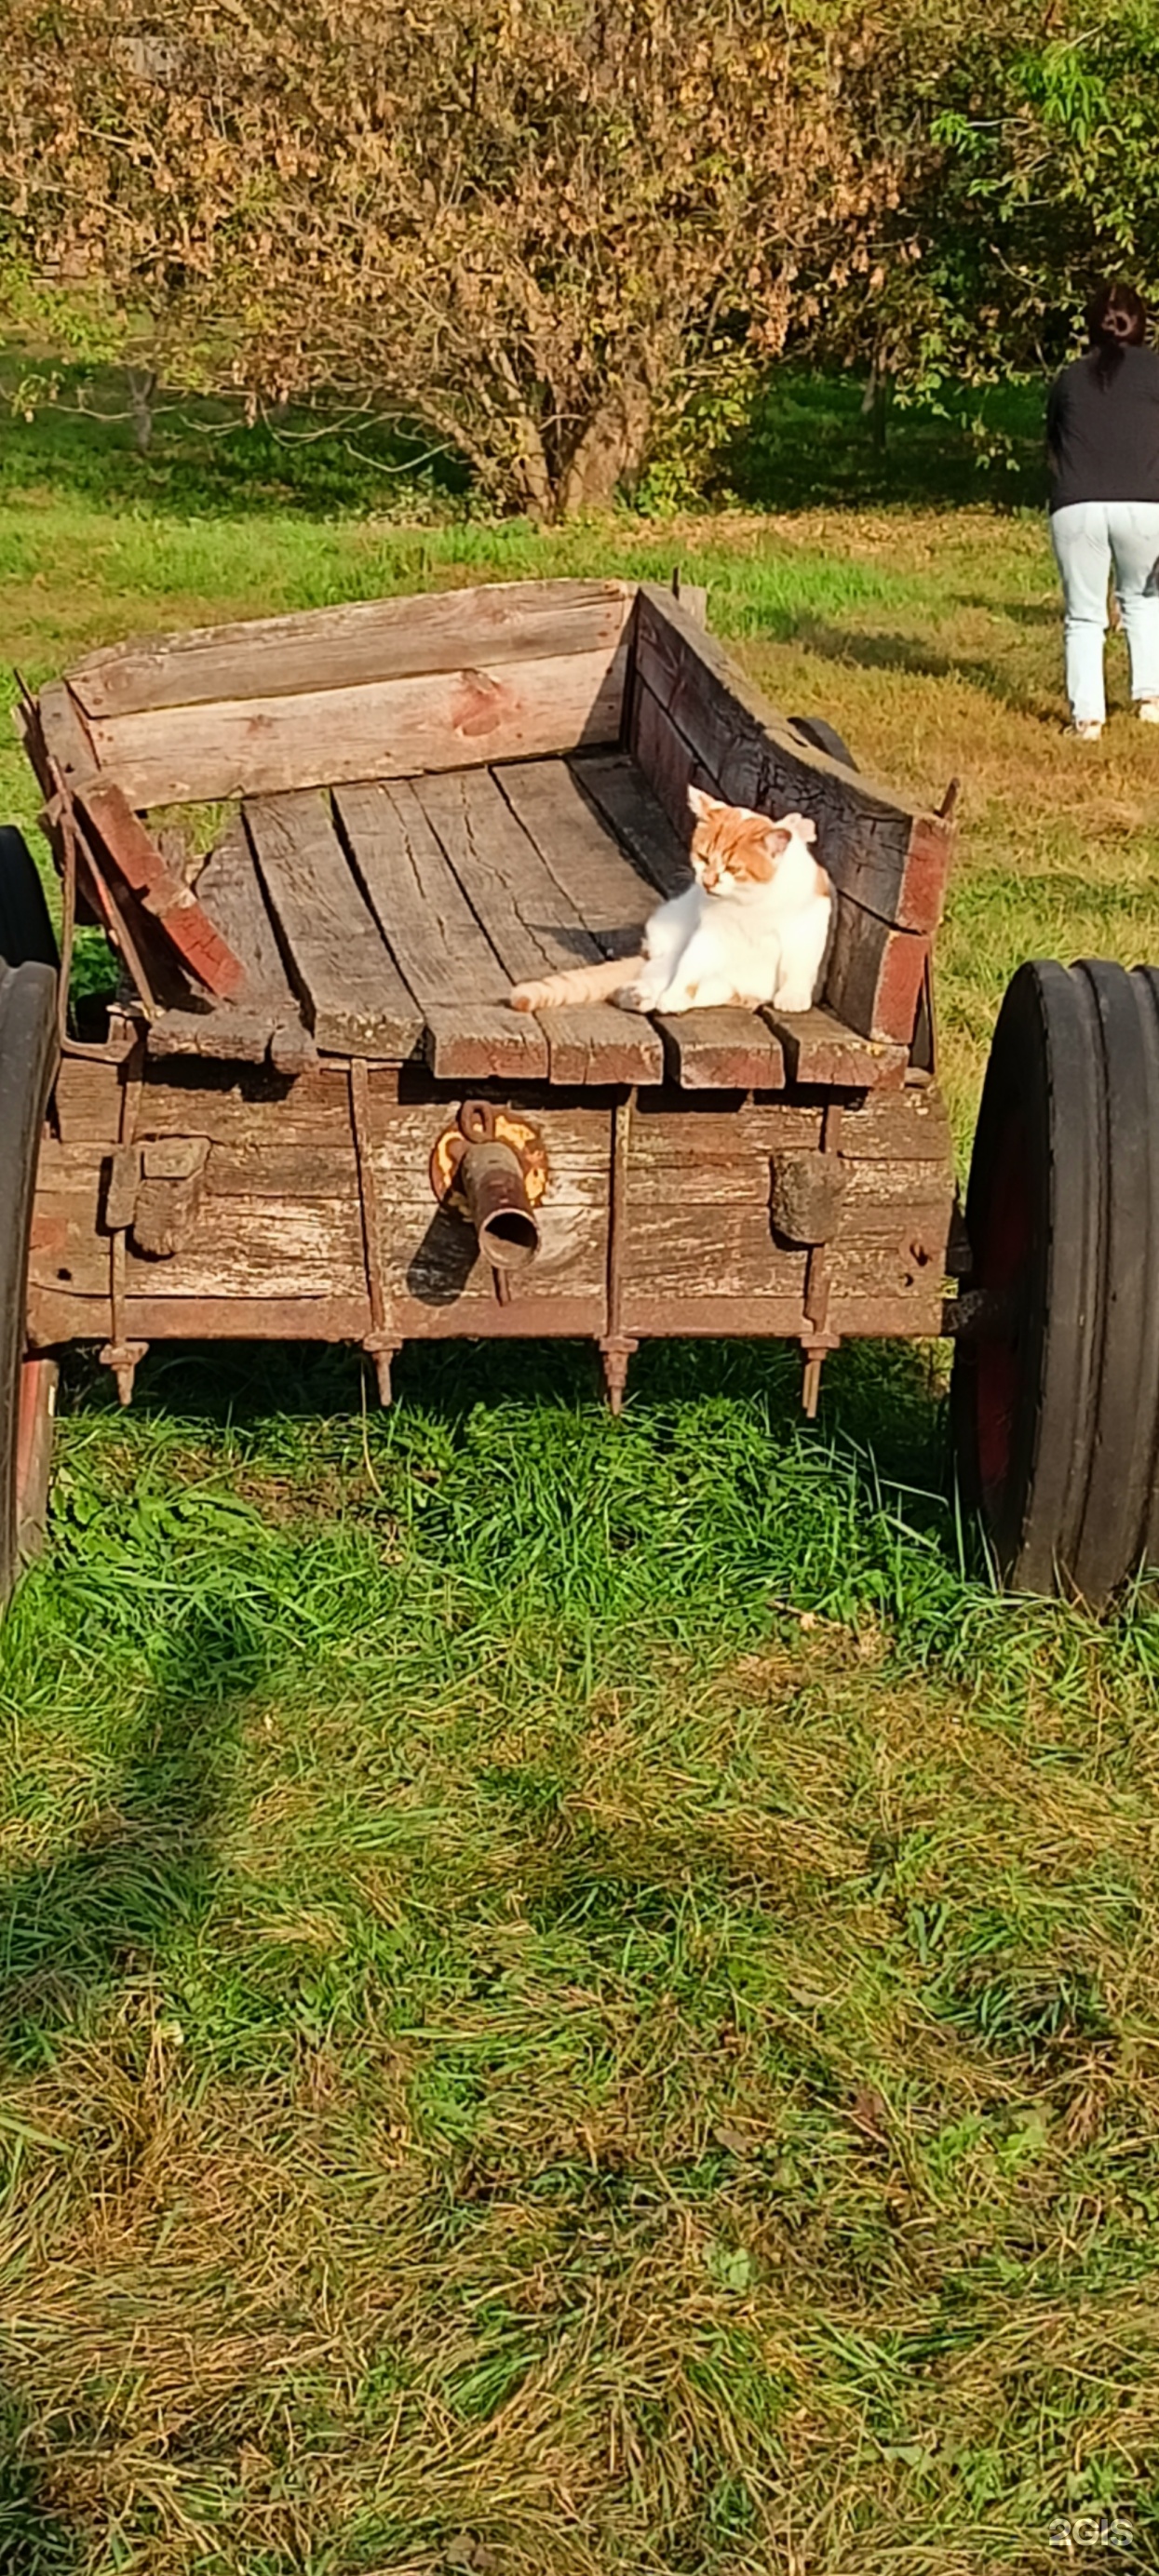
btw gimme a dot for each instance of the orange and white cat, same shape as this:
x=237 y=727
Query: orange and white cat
x=752 y=927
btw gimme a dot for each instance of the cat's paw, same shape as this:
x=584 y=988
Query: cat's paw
x=639 y=996
x=793 y=998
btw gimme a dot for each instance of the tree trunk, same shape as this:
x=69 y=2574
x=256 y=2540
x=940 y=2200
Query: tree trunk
x=612 y=447
x=875 y=404
x=142 y=388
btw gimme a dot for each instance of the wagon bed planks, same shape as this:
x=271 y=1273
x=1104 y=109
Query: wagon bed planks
x=533 y=927
x=354 y=997
x=446 y=958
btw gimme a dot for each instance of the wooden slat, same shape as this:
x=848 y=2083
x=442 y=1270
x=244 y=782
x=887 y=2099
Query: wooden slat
x=875 y=975
x=124 y=844
x=722 y=1050
x=448 y=963
x=223 y=1036
x=350 y=988
x=666 y=762
x=577 y=848
x=819 y=1048
x=374 y=729
x=230 y=892
x=617 y=785
x=887 y=854
x=377 y=639
x=533 y=927
x=65 y=735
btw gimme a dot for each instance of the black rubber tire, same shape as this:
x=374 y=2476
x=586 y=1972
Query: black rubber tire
x=1056 y=1413
x=28 y=1053
x=26 y=933
x=823 y=737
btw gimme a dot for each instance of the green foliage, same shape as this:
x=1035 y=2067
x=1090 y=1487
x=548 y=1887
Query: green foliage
x=1041 y=180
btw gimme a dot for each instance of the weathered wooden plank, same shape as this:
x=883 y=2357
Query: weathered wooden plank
x=226 y=1102
x=123 y=844
x=617 y=785
x=62 y=1316
x=714 y=1250
x=374 y=729
x=875 y=975
x=601 y=1044
x=821 y=1049
x=376 y=639
x=226 y=1035
x=229 y=890
x=284 y=1221
x=666 y=763
x=352 y=993
x=241 y=1246
x=721 y=1050
x=884 y=852
x=65 y=736
x=446 y=959
x=532 y=926
x=579 y=850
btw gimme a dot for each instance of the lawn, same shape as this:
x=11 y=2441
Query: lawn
x=578 y=1999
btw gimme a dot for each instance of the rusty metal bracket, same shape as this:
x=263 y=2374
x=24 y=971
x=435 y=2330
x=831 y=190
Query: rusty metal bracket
x=617 y=1346
x=480 y=1123
x=491 y=1169
x=818 y=1340
x=381 y=1343
x=119 y=1353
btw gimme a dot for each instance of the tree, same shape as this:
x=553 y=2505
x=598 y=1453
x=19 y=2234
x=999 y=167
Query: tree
x=528 y=224
x=1031 y=155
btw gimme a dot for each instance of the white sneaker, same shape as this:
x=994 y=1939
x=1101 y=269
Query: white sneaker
x=1147 y=710
x=1091 y=731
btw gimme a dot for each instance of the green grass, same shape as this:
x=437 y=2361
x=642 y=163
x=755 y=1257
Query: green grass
x=579 y=1997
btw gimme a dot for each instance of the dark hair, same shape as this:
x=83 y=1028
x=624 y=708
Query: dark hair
x=1116 y=320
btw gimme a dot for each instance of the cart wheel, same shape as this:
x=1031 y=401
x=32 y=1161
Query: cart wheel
x=28 y=1050
x=1056 y=1405
x=26 y=932
x=823 y=737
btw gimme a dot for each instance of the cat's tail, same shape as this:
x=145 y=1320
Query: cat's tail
x=580 y=984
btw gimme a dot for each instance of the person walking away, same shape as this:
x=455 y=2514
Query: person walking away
x=1102 y=430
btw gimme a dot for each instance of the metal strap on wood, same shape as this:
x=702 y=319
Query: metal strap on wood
x=381 y=1342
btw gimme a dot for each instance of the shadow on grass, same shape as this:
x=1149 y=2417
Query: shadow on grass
x=918 y=660
x=244 y=1383
x=205 y=458
x=108 y=1906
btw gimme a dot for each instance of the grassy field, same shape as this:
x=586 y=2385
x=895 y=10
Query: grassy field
x=579 y=1998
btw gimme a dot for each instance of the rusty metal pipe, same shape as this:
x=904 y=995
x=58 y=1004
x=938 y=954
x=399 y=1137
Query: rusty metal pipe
x=490 y=1177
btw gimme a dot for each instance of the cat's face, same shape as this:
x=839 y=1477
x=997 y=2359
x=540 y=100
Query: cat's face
x=735 y=850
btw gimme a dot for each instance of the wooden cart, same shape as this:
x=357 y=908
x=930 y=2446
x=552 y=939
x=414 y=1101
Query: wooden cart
x=323 y=846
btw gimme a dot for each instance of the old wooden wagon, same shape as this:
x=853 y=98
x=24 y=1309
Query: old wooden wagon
x=322 y=847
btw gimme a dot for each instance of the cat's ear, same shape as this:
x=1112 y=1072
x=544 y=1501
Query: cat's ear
x=776 y=838
x=702 y=806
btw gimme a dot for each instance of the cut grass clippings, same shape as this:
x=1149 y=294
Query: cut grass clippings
x=578 y=1997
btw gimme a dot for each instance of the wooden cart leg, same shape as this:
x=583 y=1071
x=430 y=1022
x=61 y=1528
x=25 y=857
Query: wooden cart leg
x=381 y=1343
x=617 y=1346
x=382 y=1349
x=615 y=1351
